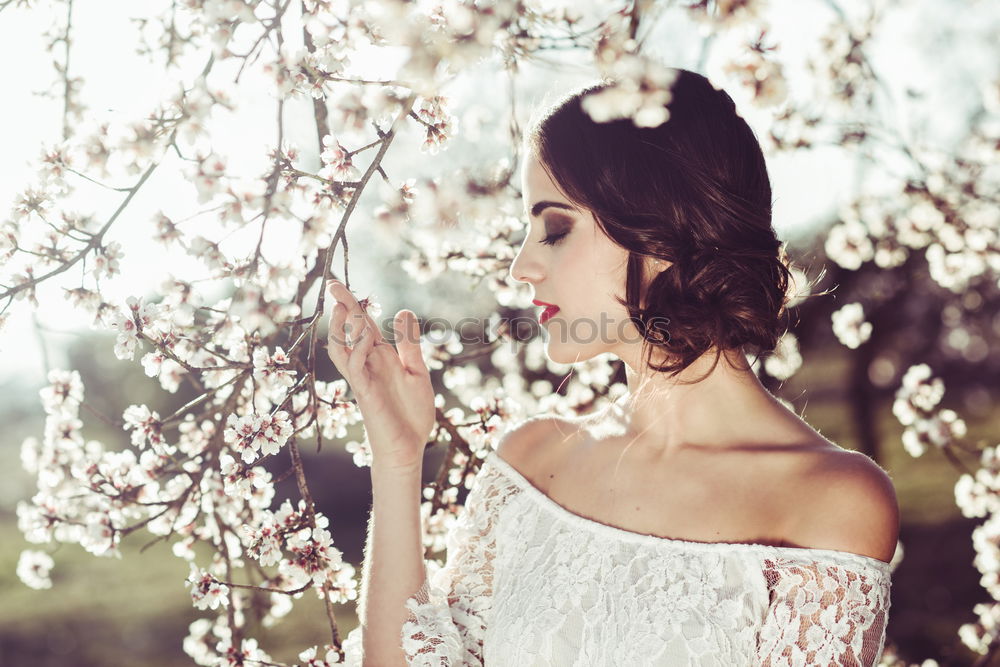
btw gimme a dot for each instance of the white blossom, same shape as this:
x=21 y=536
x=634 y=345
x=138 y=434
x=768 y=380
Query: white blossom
x=918 y=394
x=254 y=435
x=310 y=657
x=938 y=431
x=144 y=424
x=361 y=451
x=64 y=393
x=311 y=556
x=848 y=245
x=33 y=569
x=786 y=359
x=206 y=591
x=849 y=325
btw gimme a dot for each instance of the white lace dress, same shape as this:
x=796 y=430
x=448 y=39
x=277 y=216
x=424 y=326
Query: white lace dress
x=527 y=582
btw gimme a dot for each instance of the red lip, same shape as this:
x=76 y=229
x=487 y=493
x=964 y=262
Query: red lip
x=550 y=310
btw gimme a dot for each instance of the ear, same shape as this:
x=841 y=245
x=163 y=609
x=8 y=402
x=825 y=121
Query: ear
x=655 y=267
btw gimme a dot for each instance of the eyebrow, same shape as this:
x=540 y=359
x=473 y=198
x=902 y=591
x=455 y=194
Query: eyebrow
x=537 y=209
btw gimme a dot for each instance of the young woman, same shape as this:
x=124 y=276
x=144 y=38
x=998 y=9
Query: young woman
x=696 y=522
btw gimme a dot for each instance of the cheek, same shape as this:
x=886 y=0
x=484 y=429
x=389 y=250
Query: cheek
x=603 y=270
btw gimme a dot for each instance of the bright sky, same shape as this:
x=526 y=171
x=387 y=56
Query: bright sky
x=807 y=187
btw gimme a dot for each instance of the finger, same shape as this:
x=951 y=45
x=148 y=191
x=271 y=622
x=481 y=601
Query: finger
x=336 y=336
x=406 y=328
x=359 y=355
x=356 y=315
x=337 y=348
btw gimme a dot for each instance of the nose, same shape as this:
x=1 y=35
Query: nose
x=525 y=268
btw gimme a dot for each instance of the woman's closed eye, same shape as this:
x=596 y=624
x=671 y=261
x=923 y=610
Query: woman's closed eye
x=553 y=239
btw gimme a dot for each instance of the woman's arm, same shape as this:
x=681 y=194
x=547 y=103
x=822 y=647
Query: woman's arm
x=393 y=567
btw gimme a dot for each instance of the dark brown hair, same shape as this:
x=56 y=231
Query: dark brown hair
x=693 y=191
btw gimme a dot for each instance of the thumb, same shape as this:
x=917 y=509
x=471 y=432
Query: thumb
x=406 y=328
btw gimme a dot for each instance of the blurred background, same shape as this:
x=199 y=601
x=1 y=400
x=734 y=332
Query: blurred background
x=935 y=59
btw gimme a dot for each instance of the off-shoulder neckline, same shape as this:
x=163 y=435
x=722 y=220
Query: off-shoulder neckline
x=513 y=475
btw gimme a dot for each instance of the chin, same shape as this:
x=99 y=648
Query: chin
x=562 y=352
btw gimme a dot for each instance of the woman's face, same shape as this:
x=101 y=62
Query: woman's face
x=571 y=264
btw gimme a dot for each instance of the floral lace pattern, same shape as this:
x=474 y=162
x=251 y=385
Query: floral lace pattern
x=527 y=582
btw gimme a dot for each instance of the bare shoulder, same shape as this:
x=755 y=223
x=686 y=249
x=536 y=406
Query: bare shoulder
x=536 y=442
x=850 y=505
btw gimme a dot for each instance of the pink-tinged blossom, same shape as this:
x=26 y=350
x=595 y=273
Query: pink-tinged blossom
x=939 y=431
x=253 y=435
x=170 y=375
x=99 y=537
x=206 y=591
x=55 y=163
x=343 y=585
x=199 y=643
x=311 y=557
x=337 y=162
x=144 y=424
x=127 y=339
x=193 y=435
x=640 y=90
x=247 y=654
x=725 y=14
x=361 y=453
x=150 y=316
x=848 y=245
x=106 y=261
x=36 y=520
x=152 y=362
x=10 y=232
x=986 y=544
x=33 y=569
x=167 y=232
x=63 y=394
x=439 y=125
x=208 y=252
x=32 y=201
x=266 y=371
x=978 y=496
x=310 y=658
x=128 y=323
x=63 y=431
x=918 y=394
x=207 y=176
x=786 y=359
x=954 y=270
x=139 y=144
x=849 y=325
x=285 y=72
x=240 y=480
x=349 y=111
x=265 y=541
x=763 y=76
x=28 y=291
x=984 y=632
x=281 y=605
x=224 y=11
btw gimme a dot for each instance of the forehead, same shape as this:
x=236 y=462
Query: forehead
x=536 y=184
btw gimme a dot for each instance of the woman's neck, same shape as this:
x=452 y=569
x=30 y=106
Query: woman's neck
x=663 y=414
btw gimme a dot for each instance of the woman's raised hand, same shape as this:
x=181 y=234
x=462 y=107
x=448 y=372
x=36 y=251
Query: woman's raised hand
x=391 y=384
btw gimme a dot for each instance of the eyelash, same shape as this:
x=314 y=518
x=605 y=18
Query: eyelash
x=552 y=239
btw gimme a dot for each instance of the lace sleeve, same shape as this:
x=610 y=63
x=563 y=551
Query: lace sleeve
x=448 y=614
x=823 y=614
